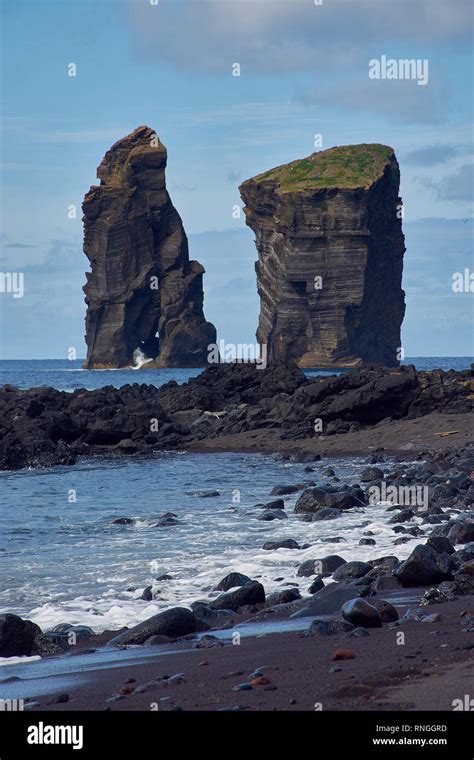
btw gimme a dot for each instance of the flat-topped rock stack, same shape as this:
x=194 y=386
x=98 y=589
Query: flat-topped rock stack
x=330 y=256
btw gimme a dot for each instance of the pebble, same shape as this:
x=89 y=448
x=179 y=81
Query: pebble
x=343 y=654
x=243 y=687
x=260 y=681
x=126 y=689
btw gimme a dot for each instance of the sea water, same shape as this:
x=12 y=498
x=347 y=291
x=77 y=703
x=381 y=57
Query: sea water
x=63 y=559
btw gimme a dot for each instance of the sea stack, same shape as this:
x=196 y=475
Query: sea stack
x=144 y=296
x=330 y=257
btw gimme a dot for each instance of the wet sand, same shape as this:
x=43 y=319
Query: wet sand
x=427 y=668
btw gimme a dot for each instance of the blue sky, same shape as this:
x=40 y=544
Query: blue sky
x=303 y=71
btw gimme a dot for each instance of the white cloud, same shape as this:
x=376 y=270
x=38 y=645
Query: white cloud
x=290 y=35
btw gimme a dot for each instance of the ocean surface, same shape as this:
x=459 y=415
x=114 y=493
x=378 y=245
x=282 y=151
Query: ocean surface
x=66 y=561
x=68 y=375
x=62 y=559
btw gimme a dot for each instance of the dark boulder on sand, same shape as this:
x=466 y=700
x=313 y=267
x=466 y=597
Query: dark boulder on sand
x=252 y=593
x=361 y=613
x=17 y=636
x=387 y=611
x=423 y=567
x=329 y=600
x=173 y=623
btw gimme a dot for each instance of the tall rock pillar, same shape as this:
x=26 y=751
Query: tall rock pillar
x=143 y=294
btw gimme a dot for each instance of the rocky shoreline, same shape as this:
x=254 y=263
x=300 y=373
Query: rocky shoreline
x=234 y=407
x=354 y=610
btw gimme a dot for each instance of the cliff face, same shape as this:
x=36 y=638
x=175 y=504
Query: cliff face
x=330 y=257
x=143 y=292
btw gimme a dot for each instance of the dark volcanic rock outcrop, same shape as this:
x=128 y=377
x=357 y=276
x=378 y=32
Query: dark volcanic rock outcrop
x=143 y=291
x=330 y=256
x=43 y=426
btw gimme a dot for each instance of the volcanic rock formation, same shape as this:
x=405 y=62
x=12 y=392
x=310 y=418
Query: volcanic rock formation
x=144 y=296
x=330 y=257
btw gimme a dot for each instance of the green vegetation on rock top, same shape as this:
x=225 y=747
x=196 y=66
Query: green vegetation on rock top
x=347 y=166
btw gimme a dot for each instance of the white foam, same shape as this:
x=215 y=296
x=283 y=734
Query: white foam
x=5 y=661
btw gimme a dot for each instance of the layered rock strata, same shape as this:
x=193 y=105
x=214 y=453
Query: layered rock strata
x=144 y=296
x=330 y=256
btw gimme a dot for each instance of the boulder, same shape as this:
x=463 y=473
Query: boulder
x=351 y=570
x=403 y=516
x=285 y=490
x=285 y=543
x=316 y=585
x=250 y=594
x=17 y=636
x=324 y=566
x=283 y=597
x=423 y=567
x=175 y=622
x=231 y=581
x=440 y=544
x=387 y=611
x=273 y=514
x=328 y=601
x=313 y=499
x=358 y=612
x=462 y=532
x=326 y=513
